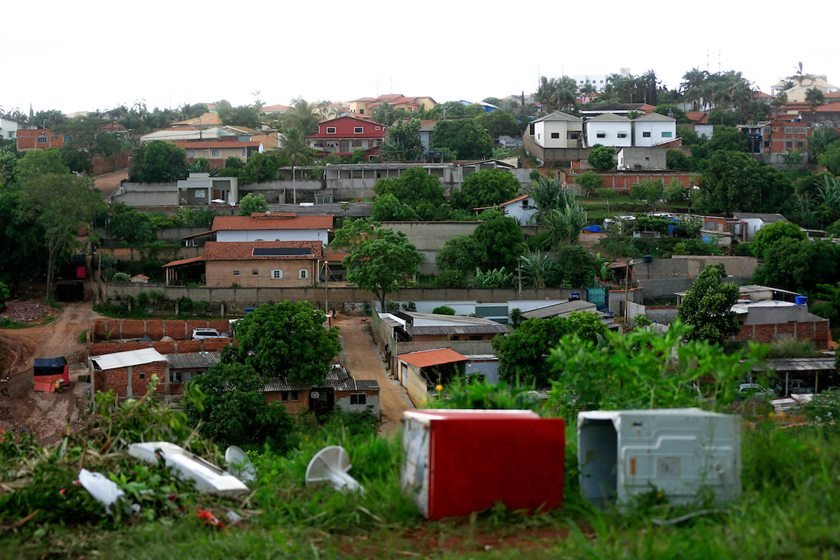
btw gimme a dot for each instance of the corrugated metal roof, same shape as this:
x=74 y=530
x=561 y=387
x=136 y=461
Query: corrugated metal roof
x=426 y=358
x=127 y=359
x=337 y=378
x=559 y=309
x=193 y=360
x=798 y=364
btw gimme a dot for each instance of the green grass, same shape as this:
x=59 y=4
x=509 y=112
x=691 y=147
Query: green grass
x=790 y=508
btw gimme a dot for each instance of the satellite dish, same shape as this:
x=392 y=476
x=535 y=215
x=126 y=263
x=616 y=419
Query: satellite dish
x=331 y=465
x=314 y=394
x=239 y=465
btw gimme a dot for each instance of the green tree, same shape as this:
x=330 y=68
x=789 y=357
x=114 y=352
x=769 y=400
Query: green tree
x=499 y=123
x=727 y=138
x=502 y=242
x=303 y=116
x=158 y=162
x=260 y=168
x=59 y=202
x=602 y=158
x=707 y=306
x=563 y=224
x=388 y=207
x=460 y=256
x=675 y=192
x=403 y=142
x=131 y=226
x=734 y=181
x=551 y=193
x=465 y=137
x=677 y=160
x=576 y=267
x=799 y=265
x=772 y=234
x=387 y=114
x=522 y=352
x=588 y=181
x=821 y=139
x=251 y=204
x=417 y=189
x=492 y=278
x=830 y=158
x=295 y=151
x=244 y=115
x=379 y=260
x=5 y=293
x=484 y=188
x=556 y=94
x=228 y=405
x=650 y=191
x=285 y=340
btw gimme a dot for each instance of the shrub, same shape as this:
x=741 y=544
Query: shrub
x=443 y=310
x=121 y=277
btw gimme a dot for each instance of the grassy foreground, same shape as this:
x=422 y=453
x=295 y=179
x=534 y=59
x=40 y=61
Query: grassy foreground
x=790 y=508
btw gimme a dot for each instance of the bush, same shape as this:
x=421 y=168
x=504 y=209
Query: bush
x=443 y=310
x=121 y=277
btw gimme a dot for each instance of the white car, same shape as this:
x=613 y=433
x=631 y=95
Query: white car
x=203 y=333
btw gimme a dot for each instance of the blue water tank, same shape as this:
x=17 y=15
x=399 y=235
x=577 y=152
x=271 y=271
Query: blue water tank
x=800 y=300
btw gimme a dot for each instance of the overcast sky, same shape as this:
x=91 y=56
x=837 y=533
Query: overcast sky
x=89 y=54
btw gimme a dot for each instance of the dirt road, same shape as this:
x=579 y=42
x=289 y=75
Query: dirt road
x=363 y=360
x=45 y=414
x=108 y=183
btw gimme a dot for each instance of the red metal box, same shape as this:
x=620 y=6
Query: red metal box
x=462 y=461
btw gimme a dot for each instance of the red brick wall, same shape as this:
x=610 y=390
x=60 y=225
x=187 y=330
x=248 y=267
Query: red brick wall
x=117 y=379
x=817 y=331
x=623 y=182
x=105 y=329
x=102 y=165
x=293 y=407
x=173 y=347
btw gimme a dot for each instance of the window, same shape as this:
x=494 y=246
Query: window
x=67 y=138
x=236 y=273
x=254 y=271
x=555 y=135
x=668 y=134
x=600 y=134
x=357 y=143
x=621 y=135
x=525 y=203
x=179 y=377
x=243 y=152
x=290 y=396
x=42 y=139
x=330 y=130
x=800 y=130
x=142 y=376
x=358 y=398
x=800 y=144
x=358 y=130
x=645 y=134
x=191 y=153
x=215 y=153
x=788 y=130
x=531 y=129
x=276 y=274
x=789 y=144
x=303 y=274
x=574 y=135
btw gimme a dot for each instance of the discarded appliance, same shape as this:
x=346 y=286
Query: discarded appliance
x=51 y=374
x=462 y=461
x=239 y=465
x=207 y=476
x=331 y=465
x=104 y=490
x=625 y=453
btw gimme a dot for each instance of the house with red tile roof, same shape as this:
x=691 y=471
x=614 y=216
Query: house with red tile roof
x=217 y=151
x=273 y=226
x=366 y=105
x=345 y=135
x=253 y=264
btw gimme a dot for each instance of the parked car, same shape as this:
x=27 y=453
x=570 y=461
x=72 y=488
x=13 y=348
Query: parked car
x=795 y=387
x=747 y=390
x=203 y=333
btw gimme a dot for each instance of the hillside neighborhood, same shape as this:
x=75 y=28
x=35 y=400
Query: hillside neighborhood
x=604 y=251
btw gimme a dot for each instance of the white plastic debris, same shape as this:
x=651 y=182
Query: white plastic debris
x=239 y=465
x=103 y=490
x=331 y=465
x=207 y=476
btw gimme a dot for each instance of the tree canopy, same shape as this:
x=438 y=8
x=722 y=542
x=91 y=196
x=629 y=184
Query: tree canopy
x=484 y=188
x=734 y=181
x=466 y=138
x=522 y=353
x=379 y=260
x=158 y=162
x=285 y=340
x=602 y=158
x=403 y=142
x=252 y=203
x=414 y=195
x=707 y=306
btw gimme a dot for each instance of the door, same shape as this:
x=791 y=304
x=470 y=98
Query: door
x=321 y=400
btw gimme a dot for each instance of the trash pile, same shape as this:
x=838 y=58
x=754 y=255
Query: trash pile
x=23 y=312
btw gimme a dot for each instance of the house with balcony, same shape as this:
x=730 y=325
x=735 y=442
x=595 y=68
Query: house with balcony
x=653 y=129
x=345 y=135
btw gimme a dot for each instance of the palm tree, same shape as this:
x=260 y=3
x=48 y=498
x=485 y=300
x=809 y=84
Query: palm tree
x=303 y=116
x=814 y=97
x=564 y=224
x=535 y=268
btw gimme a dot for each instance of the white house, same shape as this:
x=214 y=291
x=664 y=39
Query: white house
x=609 y=129
x=557 y=130
x=8 y=128
x=757 y=221
x=522 y=208
x=653 y=129
x=273 y=226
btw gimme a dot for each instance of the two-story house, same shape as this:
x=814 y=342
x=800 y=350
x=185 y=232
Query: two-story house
x=557 y=130
x=653 y=129
x=345 y=135
x=609 y=129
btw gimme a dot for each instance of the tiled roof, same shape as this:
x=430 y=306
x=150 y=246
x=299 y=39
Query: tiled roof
x=829 y=108
x=426 y=358
x=275 y=108
x=181 y=262
x=272 y=221
x=609 y=117
x=244 y=250
x=697 y=117
x=655 y=117
x=193 y=360
x=559 y=116
x=204 y=120
x=337 y=378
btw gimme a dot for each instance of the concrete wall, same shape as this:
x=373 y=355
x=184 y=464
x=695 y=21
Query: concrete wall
x=553 y=155
x=689 y=266
x=236 y=299
x=430 y=237
x=162 y=253
x=146 y=194
x=610 y=131
x=342 y=401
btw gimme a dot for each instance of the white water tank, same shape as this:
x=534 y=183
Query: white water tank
x=625 y=453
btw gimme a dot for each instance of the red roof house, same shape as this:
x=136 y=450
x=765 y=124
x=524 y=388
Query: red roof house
x=345 y=135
